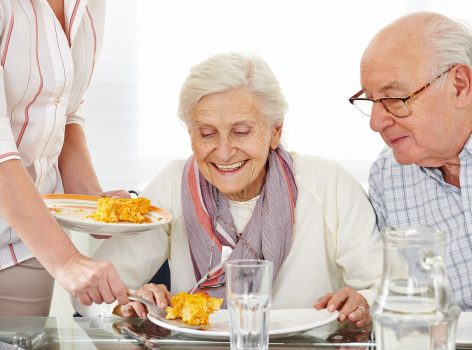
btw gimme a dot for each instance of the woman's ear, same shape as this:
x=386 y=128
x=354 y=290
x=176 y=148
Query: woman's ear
x=276 y=135
x=462 y=85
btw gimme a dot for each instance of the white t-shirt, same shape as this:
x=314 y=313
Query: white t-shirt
x=242 y=212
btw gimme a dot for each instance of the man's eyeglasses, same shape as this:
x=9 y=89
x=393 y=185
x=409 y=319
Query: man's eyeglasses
x=398 y=106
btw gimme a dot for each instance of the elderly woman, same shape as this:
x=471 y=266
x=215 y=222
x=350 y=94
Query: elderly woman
x=241 y=195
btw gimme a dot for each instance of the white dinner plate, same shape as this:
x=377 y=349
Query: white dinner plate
x=464 y=330
x=283 y=323
x=74 y=212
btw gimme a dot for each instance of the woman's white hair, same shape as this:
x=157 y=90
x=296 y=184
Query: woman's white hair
x=450 y=42
x=224 y=72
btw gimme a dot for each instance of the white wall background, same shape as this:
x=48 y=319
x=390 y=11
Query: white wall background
x=313 y=47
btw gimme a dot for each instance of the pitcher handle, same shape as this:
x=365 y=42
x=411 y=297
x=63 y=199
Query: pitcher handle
x=441 y=284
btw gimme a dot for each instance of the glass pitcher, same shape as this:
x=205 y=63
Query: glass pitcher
x=414 y=308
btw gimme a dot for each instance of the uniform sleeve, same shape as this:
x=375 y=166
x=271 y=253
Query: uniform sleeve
x=8 y=149
x=76 y=117
x=359 y=248
x=375 y=194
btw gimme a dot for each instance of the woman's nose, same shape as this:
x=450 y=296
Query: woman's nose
x=380 y=117
x=225 y=149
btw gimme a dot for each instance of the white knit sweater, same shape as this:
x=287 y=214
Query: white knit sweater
x=335 y=240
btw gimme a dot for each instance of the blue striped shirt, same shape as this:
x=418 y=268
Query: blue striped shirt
x=406 y=195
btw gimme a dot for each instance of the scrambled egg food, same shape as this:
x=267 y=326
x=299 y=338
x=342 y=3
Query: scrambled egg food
x=194 y=309
x=122 y=209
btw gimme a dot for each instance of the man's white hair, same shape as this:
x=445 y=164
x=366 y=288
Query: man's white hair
x=450 y=42
x=224 y=72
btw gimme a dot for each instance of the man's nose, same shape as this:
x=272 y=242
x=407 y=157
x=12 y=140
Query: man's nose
x=380 y=117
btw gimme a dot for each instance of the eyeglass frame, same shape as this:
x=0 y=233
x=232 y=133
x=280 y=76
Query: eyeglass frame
x=404 y=99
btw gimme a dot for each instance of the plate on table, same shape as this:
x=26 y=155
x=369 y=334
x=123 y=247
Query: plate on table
x=74 y=212
x=464 y=331
x=282 y=323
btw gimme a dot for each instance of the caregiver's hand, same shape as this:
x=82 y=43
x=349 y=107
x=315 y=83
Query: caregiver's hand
x=91 y=280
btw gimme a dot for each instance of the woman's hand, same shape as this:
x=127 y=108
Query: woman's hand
x=350 y=303
x=155 y=293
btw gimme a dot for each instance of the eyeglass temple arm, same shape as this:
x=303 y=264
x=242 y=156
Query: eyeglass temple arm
x=416 y=92
x=413 y=94
x=351 y=99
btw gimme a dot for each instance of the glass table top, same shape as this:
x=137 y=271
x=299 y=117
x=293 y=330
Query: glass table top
x=116 y=333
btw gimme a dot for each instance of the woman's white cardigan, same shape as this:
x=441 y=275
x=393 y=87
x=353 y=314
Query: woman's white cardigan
x=335 y=240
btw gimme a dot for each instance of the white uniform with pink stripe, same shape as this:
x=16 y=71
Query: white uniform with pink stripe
x=44 y=74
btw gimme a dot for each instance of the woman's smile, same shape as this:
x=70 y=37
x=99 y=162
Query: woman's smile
x=229 y=167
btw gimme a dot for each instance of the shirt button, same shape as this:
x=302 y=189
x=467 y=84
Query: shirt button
x=57 y=101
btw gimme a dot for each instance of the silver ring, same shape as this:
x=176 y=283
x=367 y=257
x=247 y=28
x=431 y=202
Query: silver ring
x=364 y=309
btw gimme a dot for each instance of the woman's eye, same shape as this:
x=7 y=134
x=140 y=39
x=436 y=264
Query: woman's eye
x=207 y=136
x=241 y=132
x=207 y=133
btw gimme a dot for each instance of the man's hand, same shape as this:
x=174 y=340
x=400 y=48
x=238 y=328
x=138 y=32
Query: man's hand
x=92 y=281
x=350 y=303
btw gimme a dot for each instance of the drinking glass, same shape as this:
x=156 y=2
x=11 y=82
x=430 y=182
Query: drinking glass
x=248 y=292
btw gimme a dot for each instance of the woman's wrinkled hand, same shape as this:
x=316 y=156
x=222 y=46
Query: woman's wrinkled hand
x=350 y=304
x=154 y=293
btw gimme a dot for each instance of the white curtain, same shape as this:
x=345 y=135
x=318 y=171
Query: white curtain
x=313 y=47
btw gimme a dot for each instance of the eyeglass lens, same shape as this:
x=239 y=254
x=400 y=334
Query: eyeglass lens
x=395 y=106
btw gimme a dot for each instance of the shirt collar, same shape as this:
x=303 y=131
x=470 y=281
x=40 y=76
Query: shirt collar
x=465 y=154
x=467 y=150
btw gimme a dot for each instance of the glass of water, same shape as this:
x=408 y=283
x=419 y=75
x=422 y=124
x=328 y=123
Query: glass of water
x=248 y=292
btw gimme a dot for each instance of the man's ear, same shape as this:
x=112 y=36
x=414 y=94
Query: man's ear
x=276 y=135
x=462 y=85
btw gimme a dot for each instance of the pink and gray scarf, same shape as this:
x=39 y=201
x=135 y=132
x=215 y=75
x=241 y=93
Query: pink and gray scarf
x=210 y=226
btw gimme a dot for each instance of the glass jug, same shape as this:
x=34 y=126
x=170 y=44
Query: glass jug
x=414 y=308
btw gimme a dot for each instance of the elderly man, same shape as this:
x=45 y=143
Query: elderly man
x=416 y=77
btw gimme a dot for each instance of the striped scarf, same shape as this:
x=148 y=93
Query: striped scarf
x=211 y=230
